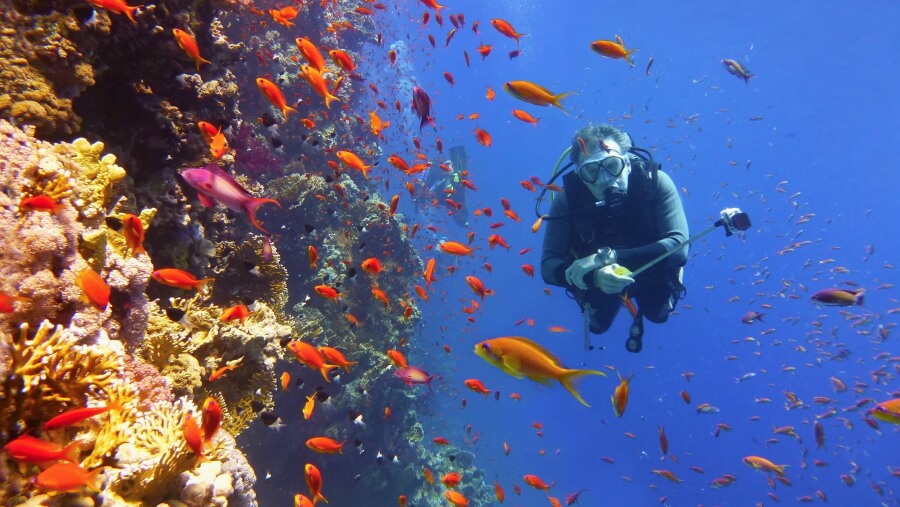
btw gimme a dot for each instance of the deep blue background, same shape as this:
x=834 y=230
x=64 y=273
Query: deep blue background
x=825 y=85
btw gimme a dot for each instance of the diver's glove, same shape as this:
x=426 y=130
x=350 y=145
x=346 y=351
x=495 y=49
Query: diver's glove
x=607 y=280
x=580 y=267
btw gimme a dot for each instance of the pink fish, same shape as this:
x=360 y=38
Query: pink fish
x=410 y=375
x=421 y=104
x=573 y=497
x=214 y=184
x=752 y=316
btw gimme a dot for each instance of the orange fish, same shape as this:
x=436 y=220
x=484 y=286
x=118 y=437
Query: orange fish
x=613 y=49
x=284 y=15
x=300 y=500
x=133 y=230
x=229 y=366
x=193 y=437
x=311 y=357
x=451 y=479
x=477 y=287
x=429 y=272
x=95 y=289
x=763 y=465
x=236 y=312
x=401 y=500
x=454 y=248
x=477 y=386
x=181 y=279
x=335 y=356
x=620 y=396
x=6 y=302
x=371 y=266
x=309 y=406
x=506 y=29
x=380 y=295
x=398 y=162
x=118 y=7
x=76 y=415
x=490 y=94
x=521 y=357
x=211 y=419
x=342 y=60
x=376 y=125
x=537 y=483
x=325 y=445
x=29 y=449
x=311 y=53
x=327 y=292
x=397 y=358
x=392 y=208
x=273 y=94
x=315 y=79
x=440 y=441
x=483 y=137
x=534 y=93
x=524 y=116
x=39 y=203
x=218 y=145
x=313 y=255
x=352 y=160
x=188 y=44
x=498 y=492
x=314 y=482
x=65 y=477
x=285 y=381
x=484 y=50
x=457 y=499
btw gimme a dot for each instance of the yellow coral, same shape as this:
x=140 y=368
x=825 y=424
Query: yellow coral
x=53 y=373
x=117 y=241
x=96 y=175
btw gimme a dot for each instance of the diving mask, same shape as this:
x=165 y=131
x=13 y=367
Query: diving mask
x=591 y=169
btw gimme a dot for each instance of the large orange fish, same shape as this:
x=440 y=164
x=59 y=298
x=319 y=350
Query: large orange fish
x=273 y=94
x=65 y=477
x=29 y=449
x=177 y=278
x=189 y=45
x=455 y=248
x=311 y=53
x=315 y=79
x=535 y=94
x=351 y=160
x=314 y=483
x=521 y=357
x=763 y=465
x=311 y=357
x=620 y=396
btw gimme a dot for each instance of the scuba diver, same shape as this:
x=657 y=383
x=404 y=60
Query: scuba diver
x=447 y=185
x=617 y=212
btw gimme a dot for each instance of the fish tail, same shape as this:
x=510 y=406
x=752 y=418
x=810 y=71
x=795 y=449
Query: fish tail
x=427 y=120
x=200 y=60
x=319 y=496
x=859 y=296
x=286 y=109
x=325 y=369
x=329 y=98
x=628 y=57
x=130 y=10
x=568 y=377
x=557 y=98
x=200 y=285
x=252 y=205
x=95 y=480
x=71 y=452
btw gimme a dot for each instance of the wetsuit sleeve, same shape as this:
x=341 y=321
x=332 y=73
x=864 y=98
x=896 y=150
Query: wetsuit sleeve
x=671 y=224
x=555 y=252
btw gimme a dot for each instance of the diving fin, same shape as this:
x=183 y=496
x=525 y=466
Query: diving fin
x=635 y=341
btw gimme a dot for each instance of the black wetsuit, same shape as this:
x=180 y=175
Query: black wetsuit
x=650 y=222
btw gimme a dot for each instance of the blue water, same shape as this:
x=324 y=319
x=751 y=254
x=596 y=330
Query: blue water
x=823 y=145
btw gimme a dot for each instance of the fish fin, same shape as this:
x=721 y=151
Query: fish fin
x=539 y=347
x=94 y=480
x=206 y=200
x=859 y=296
x=325 y=369
x=71 y=453
x=569 y=376
x=320 y=496
x=556 y=100
x=251 y=207
x=286 y=109
x=329 y=98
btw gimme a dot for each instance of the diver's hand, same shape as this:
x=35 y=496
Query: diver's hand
x=609 y=282
x=577 y=270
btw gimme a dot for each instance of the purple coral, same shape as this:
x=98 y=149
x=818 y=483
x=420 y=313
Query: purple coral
x=252 y=156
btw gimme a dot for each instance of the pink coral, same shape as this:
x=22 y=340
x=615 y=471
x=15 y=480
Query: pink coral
x=152 y=385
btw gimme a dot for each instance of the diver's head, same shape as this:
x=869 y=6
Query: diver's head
x=600 y=154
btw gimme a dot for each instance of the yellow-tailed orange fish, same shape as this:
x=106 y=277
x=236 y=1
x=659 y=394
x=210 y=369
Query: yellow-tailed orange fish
x=887 y=411
x=350 y=159
x=315 y=79
x=763 y=465
x=181 y=279
x=521 y=357
x=273 y=94
x=311 y=357
x=335 y=356
x=188 y=44
x=535 y=94
x=613 y=49
x=65 y=477
x=506 y=29
x=309 y=406
x=314 y=482
x=311 y=53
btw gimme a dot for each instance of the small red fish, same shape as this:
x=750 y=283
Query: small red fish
x=39 y=203
x=96 y=290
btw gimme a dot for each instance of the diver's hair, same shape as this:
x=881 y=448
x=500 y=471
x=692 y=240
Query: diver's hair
x=593 y=134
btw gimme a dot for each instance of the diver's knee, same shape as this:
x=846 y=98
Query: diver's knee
x=658 y=318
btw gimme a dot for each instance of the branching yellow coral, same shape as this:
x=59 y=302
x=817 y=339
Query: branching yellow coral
x=53 y=373
x=95 y=176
